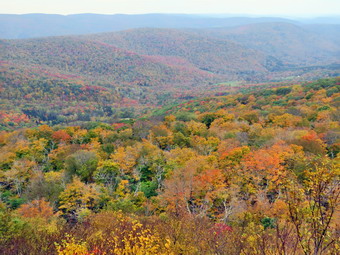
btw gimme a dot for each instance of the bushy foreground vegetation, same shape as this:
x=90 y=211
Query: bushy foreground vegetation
x=253 y=173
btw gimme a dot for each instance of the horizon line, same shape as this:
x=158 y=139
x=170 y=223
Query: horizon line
x=213 y=15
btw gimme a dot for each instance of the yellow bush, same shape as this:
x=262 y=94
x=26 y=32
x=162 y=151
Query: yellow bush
x=70 y=246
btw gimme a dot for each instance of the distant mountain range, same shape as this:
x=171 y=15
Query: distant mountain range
x=39 y=25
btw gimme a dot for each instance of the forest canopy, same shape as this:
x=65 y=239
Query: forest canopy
x=253 y=172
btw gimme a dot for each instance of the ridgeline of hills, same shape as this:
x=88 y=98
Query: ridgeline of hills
x=291 y=44
x=37 y=25
x=120 y=74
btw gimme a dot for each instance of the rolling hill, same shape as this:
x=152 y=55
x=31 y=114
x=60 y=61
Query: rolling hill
x=210 y=54
x=95 y=60
x=151 y=57
x=122 y=74
x=292 y=44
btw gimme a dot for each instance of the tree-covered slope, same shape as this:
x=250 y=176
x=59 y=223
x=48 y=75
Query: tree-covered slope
x=128 y=73
x=214 y=55
x=94 y=60
x=255 y=171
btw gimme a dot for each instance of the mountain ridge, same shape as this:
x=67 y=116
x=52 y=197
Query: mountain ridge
x=15 y=26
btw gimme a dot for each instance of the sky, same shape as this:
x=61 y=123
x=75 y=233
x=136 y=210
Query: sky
x=302 y=8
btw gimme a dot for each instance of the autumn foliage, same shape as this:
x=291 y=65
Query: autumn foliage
x=246 y=173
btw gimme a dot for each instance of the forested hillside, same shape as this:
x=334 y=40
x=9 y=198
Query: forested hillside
x=253 y=172
x=292 y=44
x=119 y=75
x=213 y=55
x=62 y=80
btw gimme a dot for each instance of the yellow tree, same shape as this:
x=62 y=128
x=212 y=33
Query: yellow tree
x=314 y=208
x=77 y=196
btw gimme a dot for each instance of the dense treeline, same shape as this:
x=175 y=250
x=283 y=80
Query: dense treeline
x=250 y=173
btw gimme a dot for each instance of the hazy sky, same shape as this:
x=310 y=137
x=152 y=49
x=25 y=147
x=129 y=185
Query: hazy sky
x=264 y=7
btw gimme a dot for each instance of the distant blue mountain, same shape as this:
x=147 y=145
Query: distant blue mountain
x=40 y=25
